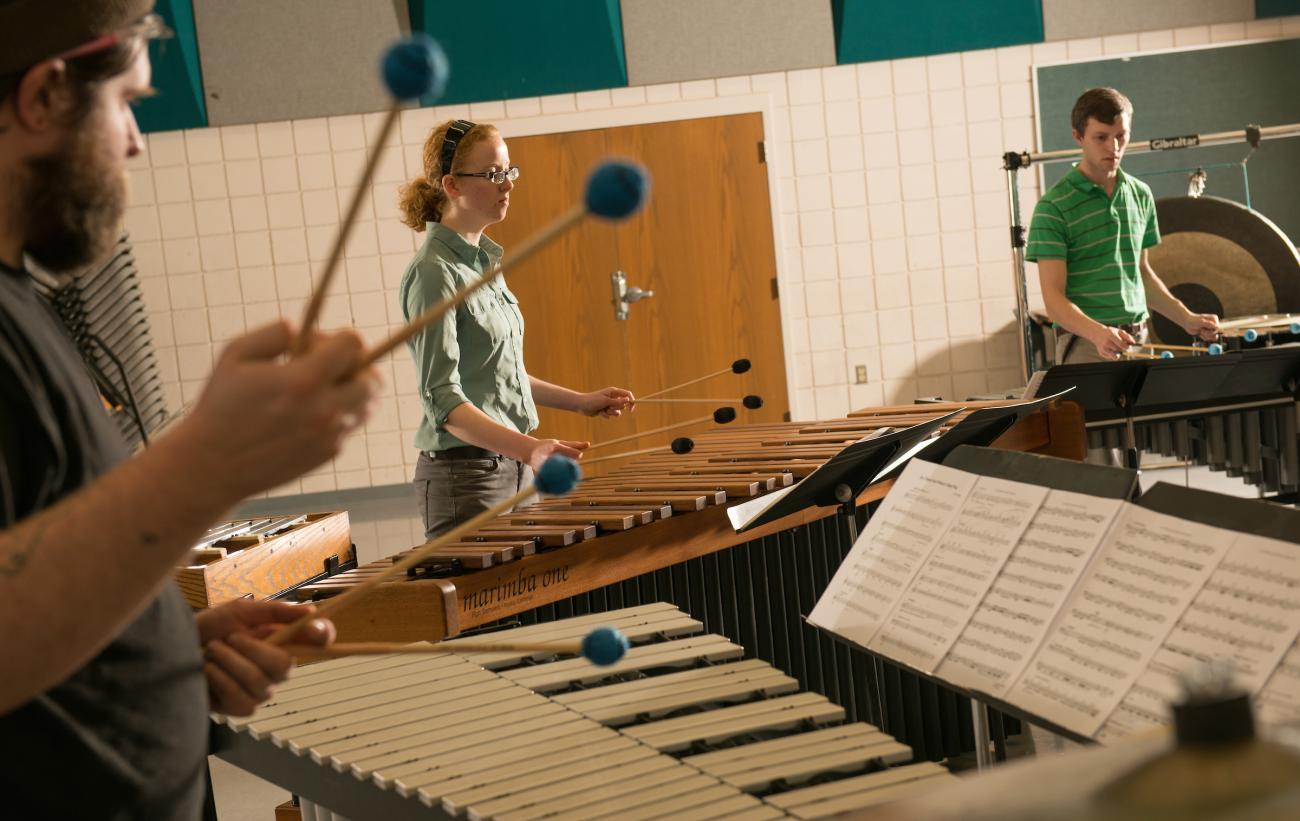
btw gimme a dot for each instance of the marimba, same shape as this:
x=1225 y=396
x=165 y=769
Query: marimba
x=657 y=530
x=683 y=727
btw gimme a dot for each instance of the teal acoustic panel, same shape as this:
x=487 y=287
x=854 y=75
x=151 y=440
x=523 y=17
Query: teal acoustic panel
x=176 y=74
x=868 y=30
x=503 y=49
x=1276 y=8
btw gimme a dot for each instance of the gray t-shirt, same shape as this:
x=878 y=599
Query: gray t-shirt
x=126 y=735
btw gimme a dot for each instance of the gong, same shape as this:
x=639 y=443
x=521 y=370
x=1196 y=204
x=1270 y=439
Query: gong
x=1220 y=257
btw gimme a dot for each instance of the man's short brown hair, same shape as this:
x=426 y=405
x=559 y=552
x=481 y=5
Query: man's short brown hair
x=1105 y=105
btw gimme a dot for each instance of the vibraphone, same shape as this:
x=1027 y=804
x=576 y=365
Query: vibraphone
x=683 y=727
x=1234 y=413
x=657 y=530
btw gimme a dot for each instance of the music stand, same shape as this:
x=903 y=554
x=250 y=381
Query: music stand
x=983 y=427
x=1105 y=390
x=839 y=481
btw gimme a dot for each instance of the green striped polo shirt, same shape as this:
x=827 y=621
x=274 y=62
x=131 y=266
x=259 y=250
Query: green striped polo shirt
x=1101 y=239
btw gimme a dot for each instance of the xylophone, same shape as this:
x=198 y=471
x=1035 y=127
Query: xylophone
x=657 y=530
x=683 y=727
x=265 y=557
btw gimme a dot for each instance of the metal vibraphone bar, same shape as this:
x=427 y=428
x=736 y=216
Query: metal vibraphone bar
x=657 y=530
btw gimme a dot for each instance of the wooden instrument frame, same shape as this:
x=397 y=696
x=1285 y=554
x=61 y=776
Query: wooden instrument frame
x=268 y=566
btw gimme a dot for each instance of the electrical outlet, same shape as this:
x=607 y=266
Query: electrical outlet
x=860 y=374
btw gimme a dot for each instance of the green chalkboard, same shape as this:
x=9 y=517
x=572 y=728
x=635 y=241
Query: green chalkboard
x=1195 y=91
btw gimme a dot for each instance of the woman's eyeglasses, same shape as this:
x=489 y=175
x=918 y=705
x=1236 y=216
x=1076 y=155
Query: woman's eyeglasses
x=494 y=177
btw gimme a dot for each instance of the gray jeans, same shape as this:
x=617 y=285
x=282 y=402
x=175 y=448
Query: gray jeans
x=451 y=491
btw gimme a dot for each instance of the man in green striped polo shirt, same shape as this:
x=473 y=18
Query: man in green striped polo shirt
x=1090 y=234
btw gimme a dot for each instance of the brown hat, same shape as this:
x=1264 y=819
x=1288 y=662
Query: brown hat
x=34 y=30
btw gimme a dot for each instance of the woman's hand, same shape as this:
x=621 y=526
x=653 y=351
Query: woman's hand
x=606 y=402
x=546 y=447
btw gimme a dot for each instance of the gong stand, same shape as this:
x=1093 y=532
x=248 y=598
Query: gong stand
x=1013 y=161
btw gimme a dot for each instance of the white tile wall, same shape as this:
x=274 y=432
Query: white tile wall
x=892 y=227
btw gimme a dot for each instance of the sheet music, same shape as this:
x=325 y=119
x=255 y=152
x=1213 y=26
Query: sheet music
x=1016 y=614
x=742 y=514
x=935 y=608
x=745 y=512
x=1137 y=588
x=1279 y=701
x=897 y=540
x=1247 y=613
x=907 y=453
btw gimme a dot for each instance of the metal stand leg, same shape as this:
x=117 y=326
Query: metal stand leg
x=980 y=720
x=1132 y=456
x=849 y=508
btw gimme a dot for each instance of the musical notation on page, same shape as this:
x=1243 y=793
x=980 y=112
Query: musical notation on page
x=950 y=585
x=1140 y=583
x=1022 y=603
x=1247 y=614
x=897 y=540
x=1279 y=700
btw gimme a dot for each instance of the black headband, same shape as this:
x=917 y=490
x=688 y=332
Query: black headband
x=455 y=132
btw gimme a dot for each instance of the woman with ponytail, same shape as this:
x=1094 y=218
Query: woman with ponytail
x=475 y=440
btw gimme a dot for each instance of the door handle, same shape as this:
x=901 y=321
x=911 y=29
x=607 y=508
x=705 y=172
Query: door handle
x=625 y=295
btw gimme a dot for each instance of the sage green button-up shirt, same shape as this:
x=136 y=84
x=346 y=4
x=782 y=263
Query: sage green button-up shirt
x=476 y=352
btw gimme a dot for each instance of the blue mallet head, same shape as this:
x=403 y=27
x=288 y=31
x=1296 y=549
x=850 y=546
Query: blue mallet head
x=604 y=646
x=1250 y=335
x=1215 y=349
x=1166 y=354
x=414 y=67
x=558 y=475
x=617 y=189
x=1294 y=328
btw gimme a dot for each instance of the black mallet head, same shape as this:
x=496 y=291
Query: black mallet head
x=753 y=401
x=724 y=415
x=740 y=366
x=683 y=444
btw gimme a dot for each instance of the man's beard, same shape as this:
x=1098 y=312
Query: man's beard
x=75 y=201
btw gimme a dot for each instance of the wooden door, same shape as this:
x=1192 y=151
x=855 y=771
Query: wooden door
x=703 y=245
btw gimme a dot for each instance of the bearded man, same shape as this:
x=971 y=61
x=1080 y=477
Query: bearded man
x=107 y=677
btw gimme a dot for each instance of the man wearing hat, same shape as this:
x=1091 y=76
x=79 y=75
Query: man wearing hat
x=107 y=677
